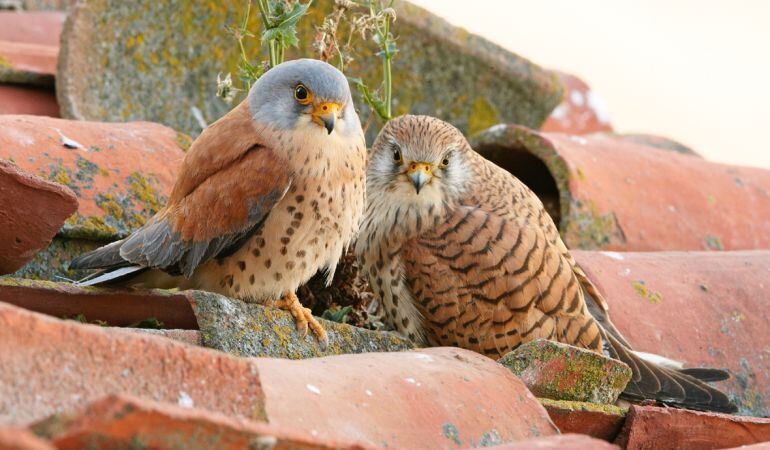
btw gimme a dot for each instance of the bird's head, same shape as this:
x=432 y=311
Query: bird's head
x=304 y=95
x=421 y=160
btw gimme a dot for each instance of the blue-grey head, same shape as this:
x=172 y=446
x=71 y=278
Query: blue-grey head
x=304 y=92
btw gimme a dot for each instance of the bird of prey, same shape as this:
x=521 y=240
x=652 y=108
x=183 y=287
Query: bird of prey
x=459 y=252
x=266 y=196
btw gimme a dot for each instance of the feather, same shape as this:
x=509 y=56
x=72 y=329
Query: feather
x=213 y=209
x=111 y=276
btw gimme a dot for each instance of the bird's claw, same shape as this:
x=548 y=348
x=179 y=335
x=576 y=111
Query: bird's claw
x=303 y=318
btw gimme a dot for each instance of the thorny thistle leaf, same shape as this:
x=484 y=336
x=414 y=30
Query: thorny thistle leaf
x=282 y=22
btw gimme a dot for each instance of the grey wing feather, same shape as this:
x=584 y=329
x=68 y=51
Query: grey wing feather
x=156 y=245
x=101 y=258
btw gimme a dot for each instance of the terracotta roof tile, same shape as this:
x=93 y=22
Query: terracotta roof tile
x=613 y=194
x=706 y=309
x=32 y=211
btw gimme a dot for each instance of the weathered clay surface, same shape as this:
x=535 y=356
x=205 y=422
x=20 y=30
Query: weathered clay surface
x=564 y=372
x=599 y=421
x=760 y=446
x=613 y=194
x=666 y=428
x=581 y=111
x=432 y=398
x=32 y=211
x=149 y=73
x=38 y=27
x=128 y=422
x=29 y=48
x=121 y=173
x=192 y=337
x=27 y=63
x=456 y=397
x=114 y=307
x=225 y=324
x=19 y=99
x=252 y=330
x=708 y=309
x=52 y=263
x=562 y=442
x=12 y=438
x=660 y=142
x=49 y=365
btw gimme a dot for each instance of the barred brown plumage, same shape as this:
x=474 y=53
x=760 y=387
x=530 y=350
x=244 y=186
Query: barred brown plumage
x=460 y=252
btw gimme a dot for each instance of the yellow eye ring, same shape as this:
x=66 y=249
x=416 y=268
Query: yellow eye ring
x=303 y=95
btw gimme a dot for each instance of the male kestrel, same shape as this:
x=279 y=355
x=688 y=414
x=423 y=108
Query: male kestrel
x=266 y=196
x=460 y=252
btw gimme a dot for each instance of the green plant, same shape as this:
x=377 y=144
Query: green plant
x=335 y=42
x=339 y=315
x=362 y=18
x=279 y=30
x=279 y=20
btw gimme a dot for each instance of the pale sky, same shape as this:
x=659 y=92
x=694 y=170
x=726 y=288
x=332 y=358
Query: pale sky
x=697 y=71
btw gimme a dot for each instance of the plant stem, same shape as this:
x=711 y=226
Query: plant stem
x=386 y=69
x=273 y=46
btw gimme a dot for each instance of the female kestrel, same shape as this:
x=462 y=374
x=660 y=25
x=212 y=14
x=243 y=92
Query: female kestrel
x=460 y=252
x=266 y=196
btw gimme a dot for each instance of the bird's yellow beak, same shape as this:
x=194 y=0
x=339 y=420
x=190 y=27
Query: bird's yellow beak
x=326 y=114
x=420 y=173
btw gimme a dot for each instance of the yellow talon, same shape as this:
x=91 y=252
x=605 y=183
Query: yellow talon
x=302 y=316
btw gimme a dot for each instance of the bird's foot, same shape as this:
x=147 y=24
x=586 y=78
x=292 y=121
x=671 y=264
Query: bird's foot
x=303 y=317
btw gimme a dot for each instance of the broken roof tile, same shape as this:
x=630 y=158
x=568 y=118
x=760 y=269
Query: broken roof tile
x=564 y=372
x=599 y=421
x=32 y=211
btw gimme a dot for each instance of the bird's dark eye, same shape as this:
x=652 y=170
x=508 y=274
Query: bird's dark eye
x=445 y=162
x=396 y=154
x=302 y=94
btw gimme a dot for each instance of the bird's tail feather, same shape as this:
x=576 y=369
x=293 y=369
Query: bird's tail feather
x=670 y=386
x=111 y=276
x=113 y=268
x=101 y=258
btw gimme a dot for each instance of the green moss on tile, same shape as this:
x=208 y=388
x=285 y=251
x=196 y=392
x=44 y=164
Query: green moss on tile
x=483 y=115
x=252 y=330
x=646 y=293
x=52 y=263
x=584 y=406
x=440 y=69
x=585 y=376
